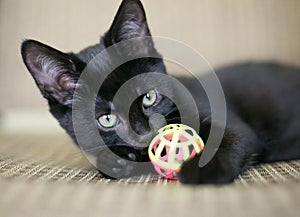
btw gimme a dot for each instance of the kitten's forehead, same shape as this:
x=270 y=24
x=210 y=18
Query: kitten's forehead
x=89 y=53
x=104 y=105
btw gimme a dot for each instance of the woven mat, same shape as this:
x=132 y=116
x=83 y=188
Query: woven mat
x=47 y=176
x=55 y=158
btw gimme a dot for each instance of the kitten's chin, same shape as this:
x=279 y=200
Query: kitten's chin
x=141 y=149
x=143 y=153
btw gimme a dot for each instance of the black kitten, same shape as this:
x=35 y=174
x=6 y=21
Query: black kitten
x=263 y=119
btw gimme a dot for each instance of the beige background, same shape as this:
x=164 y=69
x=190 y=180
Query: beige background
x=223 y=31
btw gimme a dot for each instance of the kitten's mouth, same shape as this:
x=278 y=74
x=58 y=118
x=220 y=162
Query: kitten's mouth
x=141 y=148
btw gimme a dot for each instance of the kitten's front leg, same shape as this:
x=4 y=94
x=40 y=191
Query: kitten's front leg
x=237 y=152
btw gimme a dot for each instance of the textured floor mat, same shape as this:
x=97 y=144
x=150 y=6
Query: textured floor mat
x=55 y=158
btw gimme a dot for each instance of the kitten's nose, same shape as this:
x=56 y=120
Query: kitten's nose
x=156 y=121
x=146 y=139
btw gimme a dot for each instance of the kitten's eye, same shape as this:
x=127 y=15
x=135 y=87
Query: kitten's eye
x=108 y=120
x=149 y=99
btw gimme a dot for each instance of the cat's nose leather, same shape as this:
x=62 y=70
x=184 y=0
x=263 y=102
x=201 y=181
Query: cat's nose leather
x=146 y=139
x=157 y=121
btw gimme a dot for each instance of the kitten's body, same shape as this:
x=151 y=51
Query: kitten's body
x=263 y=119
x=266 y=99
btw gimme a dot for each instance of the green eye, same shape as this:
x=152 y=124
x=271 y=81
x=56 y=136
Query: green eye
x=149 y=99
x=108 y=120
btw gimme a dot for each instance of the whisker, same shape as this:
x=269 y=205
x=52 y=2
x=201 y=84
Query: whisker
x=173 y=119
x=75 y=155
x=171 y=111
x=93 y=149
x=175 y=108
x=80 y=151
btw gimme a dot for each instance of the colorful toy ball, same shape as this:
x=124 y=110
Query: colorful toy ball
x=173 y=144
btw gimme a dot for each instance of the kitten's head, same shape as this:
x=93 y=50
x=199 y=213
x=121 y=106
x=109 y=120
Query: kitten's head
x=56 y=74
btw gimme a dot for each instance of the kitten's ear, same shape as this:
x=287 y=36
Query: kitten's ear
x=52 y=70
x=130 y=22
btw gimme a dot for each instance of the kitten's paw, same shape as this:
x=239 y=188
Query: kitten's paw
x=122 y=164
x=213 y=173
x=123 y=168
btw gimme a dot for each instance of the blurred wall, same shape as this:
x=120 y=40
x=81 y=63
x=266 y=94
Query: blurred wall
x=224 y=31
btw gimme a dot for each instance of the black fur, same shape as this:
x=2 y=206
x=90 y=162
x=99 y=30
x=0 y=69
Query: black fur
x=262 y=99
